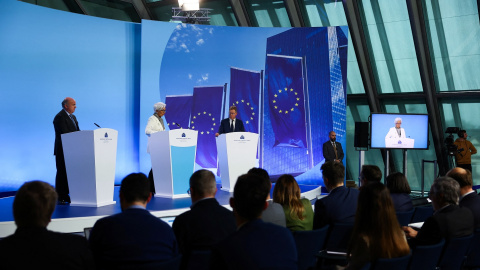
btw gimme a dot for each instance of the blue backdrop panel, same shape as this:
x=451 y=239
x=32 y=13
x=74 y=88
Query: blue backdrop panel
x=182 y=168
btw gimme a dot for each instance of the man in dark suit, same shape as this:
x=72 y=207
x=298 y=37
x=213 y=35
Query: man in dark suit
x=468 y=197
x=231 y=124
x=341 y=203
x=32 y=246
x=255 y=244
x=134 y=237
x=64 y=122
x=207 y=223
x=448 y=221
x=332 y=150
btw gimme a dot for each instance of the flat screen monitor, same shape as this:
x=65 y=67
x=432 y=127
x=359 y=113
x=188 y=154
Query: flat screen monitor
x=399 y=131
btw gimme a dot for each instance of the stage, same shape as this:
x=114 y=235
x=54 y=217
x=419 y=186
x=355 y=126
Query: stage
x=73 y=219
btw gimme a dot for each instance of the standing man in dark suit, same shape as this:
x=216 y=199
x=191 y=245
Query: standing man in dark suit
x=468 y=197
x=64 y=122
x=340 y=205
x=332 y=150
x=207 y=223
x=32 y=246
x=133 y=237
x=231 y=124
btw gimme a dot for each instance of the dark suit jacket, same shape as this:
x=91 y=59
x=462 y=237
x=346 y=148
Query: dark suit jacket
x=63 y=124
x=329 y=153
x=204 y=226
x=449 y=222
x=38 y=248
x=225 y=126
x=339 y=206
x=472 y=202
x=131 y=237
x=256 y=245
x=402 y=202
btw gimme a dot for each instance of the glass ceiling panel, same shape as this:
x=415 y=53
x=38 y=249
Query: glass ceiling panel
x=111 y=9
x=267 y=13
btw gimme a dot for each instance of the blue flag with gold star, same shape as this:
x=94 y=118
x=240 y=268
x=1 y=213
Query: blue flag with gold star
x=286 y=100
x=244 y=93
x=205 y=118
x=178 y=111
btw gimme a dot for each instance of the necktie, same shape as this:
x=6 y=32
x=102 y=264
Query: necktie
x=335 y=150
x=231 y=126
x=161 y=122
x=73 y=120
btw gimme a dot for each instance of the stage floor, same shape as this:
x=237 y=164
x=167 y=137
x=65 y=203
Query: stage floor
x=72 y=219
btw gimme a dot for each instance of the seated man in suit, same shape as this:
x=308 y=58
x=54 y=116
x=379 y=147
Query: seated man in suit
x=255 y=244
x=274 y=212
x=468 y=197
x=341 y=203
x=332 y=150
x=134 y=236
x=370 y=173
x=207 y=223
x=231 y=124
x=32 y=246
x=448 y=221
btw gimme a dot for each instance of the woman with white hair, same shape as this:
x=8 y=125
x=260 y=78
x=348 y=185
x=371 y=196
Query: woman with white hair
x=155 y=124
x=396 y=132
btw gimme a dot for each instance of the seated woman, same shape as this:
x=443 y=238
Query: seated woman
x=298 y=212
x=399 y=191
x=376 y=232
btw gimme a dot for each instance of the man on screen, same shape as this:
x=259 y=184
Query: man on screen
x=231 y=124
x=396 y=132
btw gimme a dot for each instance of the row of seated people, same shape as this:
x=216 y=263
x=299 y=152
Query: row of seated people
x=231 y=240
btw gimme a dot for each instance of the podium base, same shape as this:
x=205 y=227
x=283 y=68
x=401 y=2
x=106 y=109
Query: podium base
x=176 y=196
x=92 y=204
x=227 y=190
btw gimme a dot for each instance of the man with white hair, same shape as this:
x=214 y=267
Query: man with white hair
x=396 y=132
x=155 y=124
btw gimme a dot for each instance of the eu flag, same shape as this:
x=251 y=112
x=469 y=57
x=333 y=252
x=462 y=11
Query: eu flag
x=244 y=93
x=178 y=111
x=286 y=100
x=205 y=118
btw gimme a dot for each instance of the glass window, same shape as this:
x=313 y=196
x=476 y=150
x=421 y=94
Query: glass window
x=453 y=33
x=65 y=5
x=111 y=9
x=390 y=43
x=267 y=13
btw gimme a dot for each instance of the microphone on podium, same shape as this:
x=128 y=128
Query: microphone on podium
x=178 y=125
x=96 y=125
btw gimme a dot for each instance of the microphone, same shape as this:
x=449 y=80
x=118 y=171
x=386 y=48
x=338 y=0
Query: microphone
x=96 y=125
x=178 y=125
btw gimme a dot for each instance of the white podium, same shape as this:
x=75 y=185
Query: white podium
x=173 y=160
x=90 y=158
x=236 y=155
x=399 y=143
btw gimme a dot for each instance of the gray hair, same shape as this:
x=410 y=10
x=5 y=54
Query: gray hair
x=159 y=106
x=448 y=187
x=203 y=182
x=398 y=119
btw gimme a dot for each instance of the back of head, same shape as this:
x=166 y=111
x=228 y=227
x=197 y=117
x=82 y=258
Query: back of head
x=263 y=174
x=445 y=190
x=334 y=172
x=287 y=193
x=250 y=196
x=462 y=176
x=135 y=188
x=376 y=221
x=203 y=183
x=398 y=183
x=371 y=173
x=34 y=204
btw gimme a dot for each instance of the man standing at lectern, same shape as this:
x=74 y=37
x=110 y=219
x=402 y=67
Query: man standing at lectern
x=64 y=122
x=332 y=150
x=231 y=124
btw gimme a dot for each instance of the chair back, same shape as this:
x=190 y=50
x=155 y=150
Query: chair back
x=172 y=264
x=338 y=236
x=473 y=254
x=404 y=218
x=426 y=257
x=309 y=243
x=454 y=252
x=400 y=263
x=422 y=213
x=198 y=260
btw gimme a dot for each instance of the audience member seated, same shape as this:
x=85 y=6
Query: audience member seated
x=32 y=246
x=376 y=233
x=256 y=244
x=341 y=203
x=207 y=223
x=134 y=236
x=370 y=174
x=468 y=197
x=400 y=191
x=448 y=220
x=298 y=212
x=274 y=212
